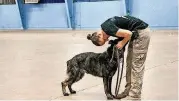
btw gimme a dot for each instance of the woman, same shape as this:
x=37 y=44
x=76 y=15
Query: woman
x=136 y=32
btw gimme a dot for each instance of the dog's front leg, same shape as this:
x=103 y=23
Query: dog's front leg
x=106 y=88
x=109 y=85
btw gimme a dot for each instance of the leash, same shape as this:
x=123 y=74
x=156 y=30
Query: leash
x=119 y=60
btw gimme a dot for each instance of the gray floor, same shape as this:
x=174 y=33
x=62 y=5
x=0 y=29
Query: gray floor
x=33 y=64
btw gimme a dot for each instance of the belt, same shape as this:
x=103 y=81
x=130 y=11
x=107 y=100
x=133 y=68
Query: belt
x=143 y=30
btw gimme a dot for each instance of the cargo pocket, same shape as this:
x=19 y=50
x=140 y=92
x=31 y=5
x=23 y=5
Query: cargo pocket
x=138 y=61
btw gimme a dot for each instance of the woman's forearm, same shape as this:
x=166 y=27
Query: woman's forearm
x=126 y=34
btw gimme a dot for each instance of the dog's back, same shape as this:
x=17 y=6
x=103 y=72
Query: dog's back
x=88 y=62
x=78 y=60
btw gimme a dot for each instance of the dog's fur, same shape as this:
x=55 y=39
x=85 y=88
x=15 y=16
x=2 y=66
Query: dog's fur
x=96 y=64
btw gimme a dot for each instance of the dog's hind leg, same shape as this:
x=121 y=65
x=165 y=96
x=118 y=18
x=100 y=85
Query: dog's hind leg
x=106 y=88
x=77 y=78
x=64 y=84
x=70 y=88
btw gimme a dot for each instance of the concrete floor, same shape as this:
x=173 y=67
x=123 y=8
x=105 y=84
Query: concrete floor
x=33 y=64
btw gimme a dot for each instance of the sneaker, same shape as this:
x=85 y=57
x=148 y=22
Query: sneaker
x=131 y=98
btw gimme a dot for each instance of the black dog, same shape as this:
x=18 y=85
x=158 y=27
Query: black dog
x=96 y=64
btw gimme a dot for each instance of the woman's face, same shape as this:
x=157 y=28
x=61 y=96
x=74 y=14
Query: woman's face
x=101 y=37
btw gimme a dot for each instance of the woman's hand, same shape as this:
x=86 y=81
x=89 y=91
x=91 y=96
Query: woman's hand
x=120 y=45
x=126 y=34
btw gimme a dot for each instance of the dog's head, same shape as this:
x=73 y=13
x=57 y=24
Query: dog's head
x=112 y=48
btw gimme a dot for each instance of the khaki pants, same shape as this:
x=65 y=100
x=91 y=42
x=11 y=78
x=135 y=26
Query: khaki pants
x=137 y=52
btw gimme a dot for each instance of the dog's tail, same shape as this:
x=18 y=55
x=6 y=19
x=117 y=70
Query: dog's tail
x=68 y=67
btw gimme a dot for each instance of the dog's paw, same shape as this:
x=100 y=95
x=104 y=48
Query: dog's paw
x=66 y=94
x=73 y=92
x=110 y=97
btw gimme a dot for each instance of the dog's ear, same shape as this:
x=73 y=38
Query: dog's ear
x=113 y=42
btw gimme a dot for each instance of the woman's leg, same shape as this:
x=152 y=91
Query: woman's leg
x=139 y=54
x=136 y=56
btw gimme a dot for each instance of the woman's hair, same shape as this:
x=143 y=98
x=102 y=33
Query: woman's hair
x=94 y=38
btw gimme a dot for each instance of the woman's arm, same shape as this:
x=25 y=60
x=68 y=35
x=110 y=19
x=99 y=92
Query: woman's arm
x=123 y=33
